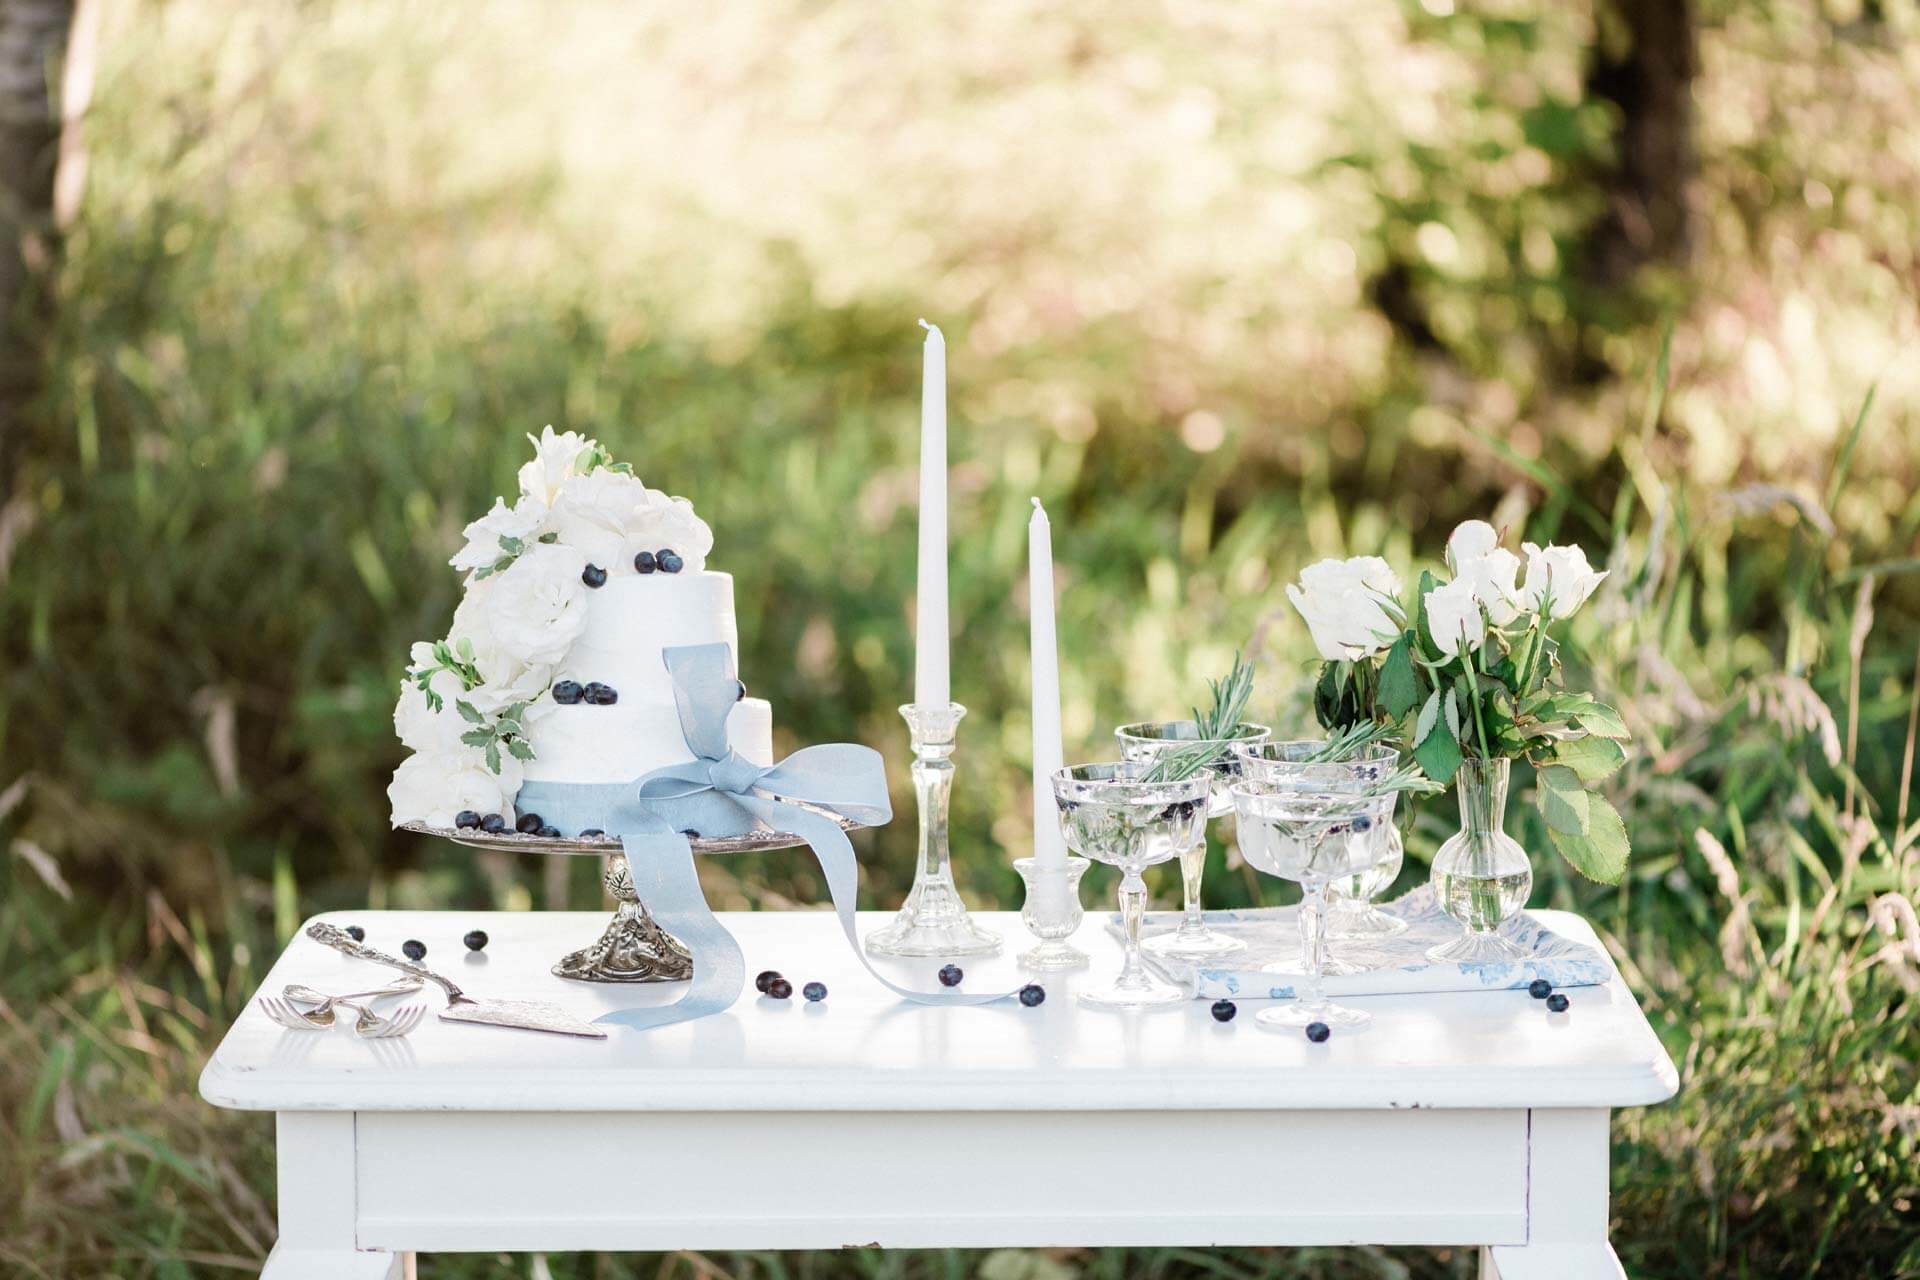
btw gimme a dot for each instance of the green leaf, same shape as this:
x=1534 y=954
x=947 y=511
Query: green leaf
x=1563 y=802
x=493 y=754
x=466 y=649
x=1439 y=755
x=477 y=737
x=1429 y=717
x=1601 y=854
x=1451 y=706
x=1399 y=685
x=520 y=750
x=512 y=546
x=1425 y=633
x=554 y=537
x=1593 y=758
x=1604 y=720
x=469 y=713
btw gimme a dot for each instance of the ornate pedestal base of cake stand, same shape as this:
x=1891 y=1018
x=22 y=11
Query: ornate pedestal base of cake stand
x=634 y=948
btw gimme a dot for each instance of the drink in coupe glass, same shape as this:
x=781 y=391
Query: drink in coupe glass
x=1311 y=834
x=1114 y=814
x=1149 y=742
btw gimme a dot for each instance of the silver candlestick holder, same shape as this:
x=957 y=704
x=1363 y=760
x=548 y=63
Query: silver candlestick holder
x=934 y=921
x=1052 y=912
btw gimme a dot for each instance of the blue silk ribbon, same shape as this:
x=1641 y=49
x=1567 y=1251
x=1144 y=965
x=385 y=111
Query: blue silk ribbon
x=720 y=794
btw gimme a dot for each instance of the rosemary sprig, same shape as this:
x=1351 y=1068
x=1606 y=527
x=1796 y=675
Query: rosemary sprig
x=1220 y=721
x=1350 y=742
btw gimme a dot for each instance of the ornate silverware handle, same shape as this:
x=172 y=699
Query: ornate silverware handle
x=339 y=940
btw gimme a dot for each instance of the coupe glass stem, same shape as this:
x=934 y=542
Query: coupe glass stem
x=1133 y=909
x=1192 y=864
x=1313 y=938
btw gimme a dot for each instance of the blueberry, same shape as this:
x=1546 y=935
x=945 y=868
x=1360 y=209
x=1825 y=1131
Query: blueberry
x=1223 y=1010
x=780 y=989
x=690 y=833
x=1033 y=994
x=1539 y=988
x=548 y=832
x=645 y=563
x=669 y=562
x=1557 y=1003
x=414 y=949
x=743 y=691
x=1318 y=1032
x=567 y=692
x=493 y=824
x=600 y=695
x=815 y=991
x=1362 y=824
x=765 y=979
x=355 y=932
x=529 y=824
x=592 y=833
x=466 y=819
x=476 y=940
x=950 y=975
x=594 y=576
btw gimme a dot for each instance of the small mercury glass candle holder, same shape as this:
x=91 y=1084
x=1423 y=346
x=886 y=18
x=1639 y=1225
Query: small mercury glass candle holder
x=1148 y=741
x=933 y=921
x=1113 y=814
x=1052 y=912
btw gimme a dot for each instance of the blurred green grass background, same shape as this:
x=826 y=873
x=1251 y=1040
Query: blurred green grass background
x=1229 y=288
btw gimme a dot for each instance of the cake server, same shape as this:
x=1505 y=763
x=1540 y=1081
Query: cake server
x=524 y=1015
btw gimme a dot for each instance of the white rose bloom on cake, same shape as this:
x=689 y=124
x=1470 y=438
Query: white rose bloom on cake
x=593 y=513
x=556 y=457
x=436 y=787
x=486 y=537
x=534 y=609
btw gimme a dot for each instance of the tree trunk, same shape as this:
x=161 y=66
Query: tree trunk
x=33 y=37
x=1644 y=62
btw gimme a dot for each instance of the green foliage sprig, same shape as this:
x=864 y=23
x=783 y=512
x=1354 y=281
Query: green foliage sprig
x=502 y=731
x=511 y=549
x=456 y=657
x=1220 y=721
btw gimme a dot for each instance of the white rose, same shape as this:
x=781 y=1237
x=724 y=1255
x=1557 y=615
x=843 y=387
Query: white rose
x=523 y=520
x=1493 y=579
x=434 y=787
x=594 y=514
x=535 y=608
x=1470 y=540
x=555 y=458
x=1560 y=577
x=669 y=524
x=1350 y=606
x=1455 y=619
x=419 y=726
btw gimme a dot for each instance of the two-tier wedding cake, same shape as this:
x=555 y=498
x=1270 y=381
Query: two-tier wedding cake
x=552 y=670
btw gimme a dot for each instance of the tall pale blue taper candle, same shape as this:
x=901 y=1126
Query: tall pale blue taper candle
x=931 y=683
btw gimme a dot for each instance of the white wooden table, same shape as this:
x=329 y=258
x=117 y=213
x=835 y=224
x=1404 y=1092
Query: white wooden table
x=1469 y=1119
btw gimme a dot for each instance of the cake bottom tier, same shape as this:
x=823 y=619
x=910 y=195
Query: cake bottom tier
x=624 y=741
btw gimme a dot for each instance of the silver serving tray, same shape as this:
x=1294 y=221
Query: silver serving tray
x=602 y=846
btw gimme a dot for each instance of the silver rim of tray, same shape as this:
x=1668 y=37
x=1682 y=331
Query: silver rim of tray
x=605 y=846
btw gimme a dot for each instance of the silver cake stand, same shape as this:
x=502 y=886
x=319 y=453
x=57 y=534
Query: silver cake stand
x=634 y=947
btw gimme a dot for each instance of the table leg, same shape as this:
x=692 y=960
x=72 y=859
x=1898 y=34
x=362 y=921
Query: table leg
x=318 y=1198
x=1567 y=1153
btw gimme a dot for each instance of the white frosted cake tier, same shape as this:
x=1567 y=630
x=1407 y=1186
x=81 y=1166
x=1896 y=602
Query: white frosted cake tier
x=621 y=742
x=634 y=616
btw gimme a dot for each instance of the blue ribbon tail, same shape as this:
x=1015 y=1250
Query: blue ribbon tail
x=665 y=879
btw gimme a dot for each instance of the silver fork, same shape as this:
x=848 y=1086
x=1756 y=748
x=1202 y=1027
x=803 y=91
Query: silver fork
x=323 y=1015
x=367 y=1024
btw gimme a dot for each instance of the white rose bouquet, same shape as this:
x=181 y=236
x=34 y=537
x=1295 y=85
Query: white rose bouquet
x=1467 y=670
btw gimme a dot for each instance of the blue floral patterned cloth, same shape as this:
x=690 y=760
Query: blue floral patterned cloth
x=1395 y=965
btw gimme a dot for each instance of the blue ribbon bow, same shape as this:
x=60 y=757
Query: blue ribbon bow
x=810 y=793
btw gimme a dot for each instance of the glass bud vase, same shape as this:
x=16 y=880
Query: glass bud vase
x=1481 y=875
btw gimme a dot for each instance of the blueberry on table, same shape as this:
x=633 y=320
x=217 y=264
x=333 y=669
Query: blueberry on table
x=1539 y=988
x=529 y=824
x=600 y=695
x=950 y=975
x=1557 y=1003
x=476 y=940
x=815 y=992
x=355 y=932
x=1318 y=1032
x=493 y=824
x=1033 y=995
x=414 y=949
x=548 y=832
x=567 y=692
x=690 y=833
x=780 y=989
x=765 y=979
x=594 y=576
x=645 y=563
x=669 y=562
x=466 y=819
x=1223 y=1010
x=592 y=833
